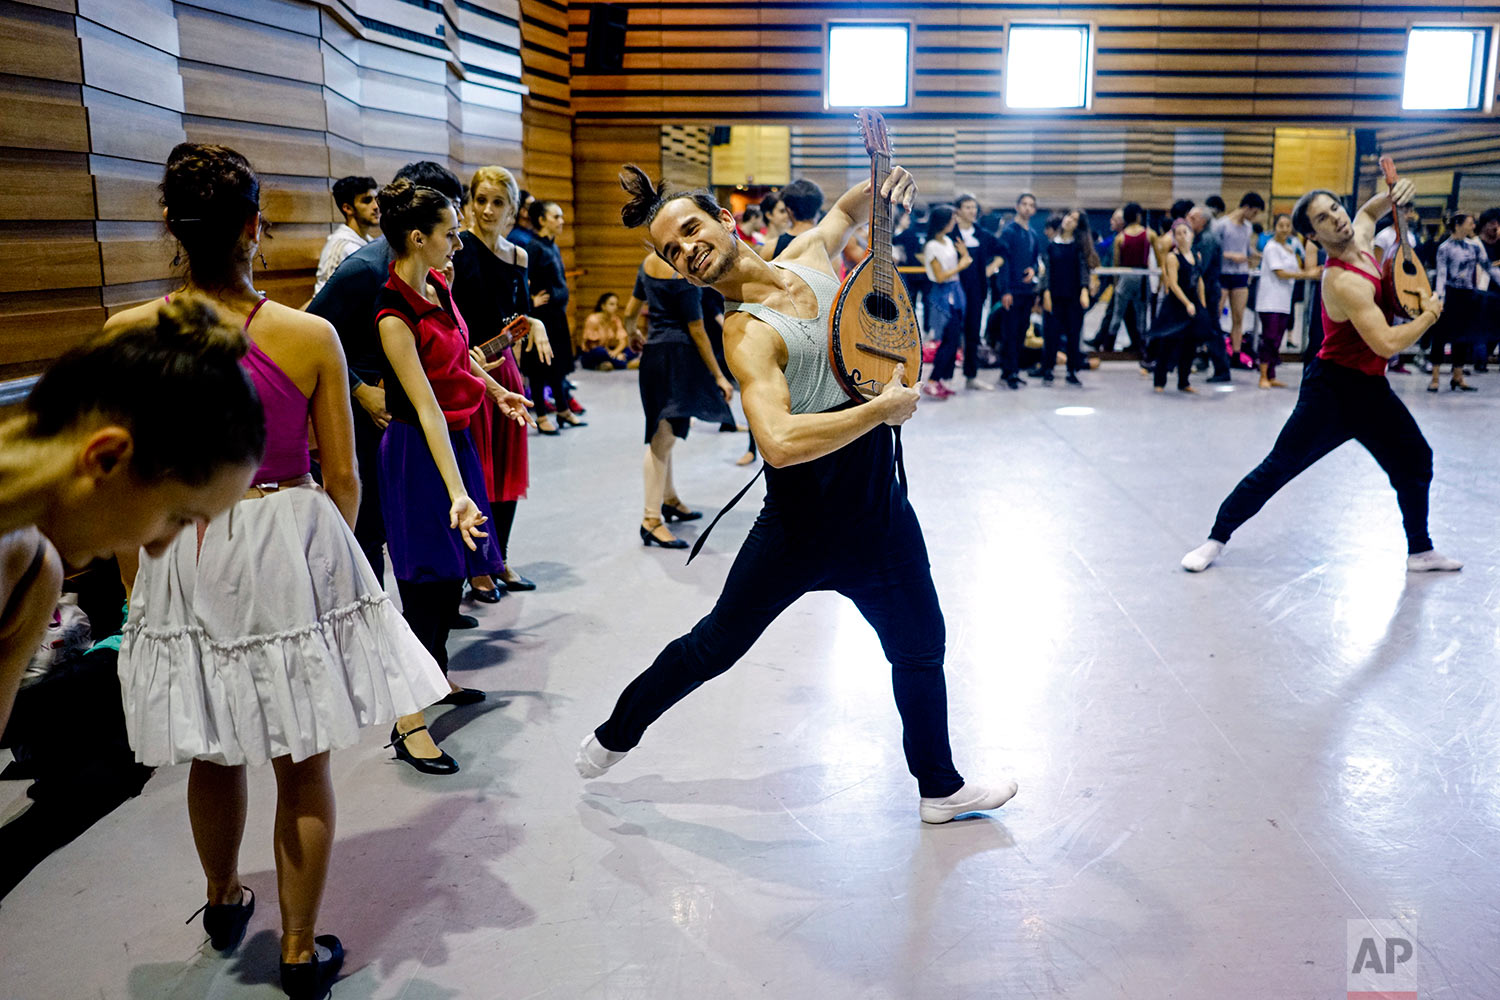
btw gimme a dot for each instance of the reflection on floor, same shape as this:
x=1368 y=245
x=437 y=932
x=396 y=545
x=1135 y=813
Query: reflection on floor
x=1217 y=772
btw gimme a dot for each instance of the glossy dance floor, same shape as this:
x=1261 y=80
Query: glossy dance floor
x=1217 y=772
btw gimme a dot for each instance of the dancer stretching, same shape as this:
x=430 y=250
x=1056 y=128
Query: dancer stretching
x=832 y=487
x=1344 y=394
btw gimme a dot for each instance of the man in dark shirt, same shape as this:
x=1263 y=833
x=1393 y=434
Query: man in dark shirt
x=1210 y=262
x=804 y=203
x=347 y=300
x=1014 y=287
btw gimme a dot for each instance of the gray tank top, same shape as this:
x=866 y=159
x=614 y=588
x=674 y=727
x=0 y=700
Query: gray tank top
x=809 y=375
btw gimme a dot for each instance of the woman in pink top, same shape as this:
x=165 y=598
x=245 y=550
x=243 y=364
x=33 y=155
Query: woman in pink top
x=265 y=635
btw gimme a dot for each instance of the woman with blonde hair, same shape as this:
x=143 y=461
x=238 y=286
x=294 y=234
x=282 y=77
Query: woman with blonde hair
x=489 y=290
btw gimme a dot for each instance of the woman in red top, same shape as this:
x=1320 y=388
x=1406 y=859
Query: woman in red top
x=428 y=462
x=1344 y=394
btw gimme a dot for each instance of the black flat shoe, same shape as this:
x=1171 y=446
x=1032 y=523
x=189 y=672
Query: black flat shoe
x=1073 y=379
x=225 y=923
x=463 y=696
x=1462 y=387
x=491 y=596
x=1013 y=383
x=671 y=512
x=461 y=622
x=1432 y=388
x=441 y=764
x=519 y=583
x=648 y=539
x=311 y=980
x=1219 y=378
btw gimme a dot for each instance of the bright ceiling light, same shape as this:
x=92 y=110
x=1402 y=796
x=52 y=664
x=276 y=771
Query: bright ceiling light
x=1443 y=69
x=867 y=65
x=1047 y=66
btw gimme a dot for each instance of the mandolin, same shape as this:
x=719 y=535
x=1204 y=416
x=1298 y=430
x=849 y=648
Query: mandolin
x=1403 y=277
x=515 y=329
x=873 y=327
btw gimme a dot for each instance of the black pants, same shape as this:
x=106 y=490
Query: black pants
x=802 y=543
x=974 y=292
x=1061 y=329
x=1338 y=404
x=429 y=608
x=503 y=518
x=1015 y=321
x=369 y=524
x=554 y=375
x=1171 y=349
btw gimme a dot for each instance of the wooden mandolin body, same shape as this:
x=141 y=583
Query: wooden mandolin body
x=870 y=331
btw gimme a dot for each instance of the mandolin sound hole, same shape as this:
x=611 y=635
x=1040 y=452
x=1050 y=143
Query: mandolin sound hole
x=882 y=307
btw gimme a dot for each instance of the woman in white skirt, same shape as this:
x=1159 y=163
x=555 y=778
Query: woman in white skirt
x=265 y=635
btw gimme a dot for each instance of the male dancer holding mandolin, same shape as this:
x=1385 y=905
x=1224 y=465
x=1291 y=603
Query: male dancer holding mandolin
x=1344 y=394
x=836 y=515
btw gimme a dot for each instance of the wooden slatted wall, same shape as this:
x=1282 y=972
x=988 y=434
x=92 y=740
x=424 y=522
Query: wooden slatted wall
x=100 y=90
x=1196 y=61
x=1432 y=156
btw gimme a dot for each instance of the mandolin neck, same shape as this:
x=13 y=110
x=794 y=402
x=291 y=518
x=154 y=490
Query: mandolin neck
x=881 y=264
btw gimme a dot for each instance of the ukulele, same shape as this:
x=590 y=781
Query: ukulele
x=873 y=327
x=515 y=329
x=1403 y=278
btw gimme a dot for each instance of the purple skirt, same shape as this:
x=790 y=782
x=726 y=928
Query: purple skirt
x=415 y=503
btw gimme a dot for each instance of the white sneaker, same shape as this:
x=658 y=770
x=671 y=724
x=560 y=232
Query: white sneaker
x=1432 y=561
x=974 y=383
x=969 y=798
x=1202 y=557
x=593 y=760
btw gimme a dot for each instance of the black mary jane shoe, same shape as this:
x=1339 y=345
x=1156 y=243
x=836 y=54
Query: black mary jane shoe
x=312 y=980
x=519 y=583
x=490 y=596
x=225 y=923
x=648 y=540
x=441 y=764
x=463 y=696
x=672 y=512
x=461 y=622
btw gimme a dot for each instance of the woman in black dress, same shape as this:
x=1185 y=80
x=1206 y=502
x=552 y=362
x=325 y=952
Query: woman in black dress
x=1067 y=288
x=490 y=287
x=680 y=380
x=1182 y=313
x=549 y=297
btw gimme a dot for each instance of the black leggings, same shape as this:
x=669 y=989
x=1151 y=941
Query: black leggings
x=503 y=519
x=1338 y=404
x=1061 y=328
x=780 y=561
x=429 y=608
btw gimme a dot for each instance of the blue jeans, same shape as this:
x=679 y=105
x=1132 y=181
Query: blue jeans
x=945 y=317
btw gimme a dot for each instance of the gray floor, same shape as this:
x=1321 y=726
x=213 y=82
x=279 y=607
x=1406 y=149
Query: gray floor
x=1217 y=772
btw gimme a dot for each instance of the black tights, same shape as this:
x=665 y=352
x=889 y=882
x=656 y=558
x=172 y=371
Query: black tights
x=429 y=608
x=1338 y=404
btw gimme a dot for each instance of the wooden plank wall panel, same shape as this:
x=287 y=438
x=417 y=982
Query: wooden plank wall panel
x=1183 y=61
x=1432 y=157
x=548 y=141
x=608 y=253
x=48 y=254
x=307 y=89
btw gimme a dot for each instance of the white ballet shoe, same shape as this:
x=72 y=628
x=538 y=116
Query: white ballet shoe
x=969 y=798
x=1432 y=561
x=593 y=760
x=1202 y=557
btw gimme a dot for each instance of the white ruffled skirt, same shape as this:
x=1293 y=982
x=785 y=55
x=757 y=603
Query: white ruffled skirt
x=276 y=640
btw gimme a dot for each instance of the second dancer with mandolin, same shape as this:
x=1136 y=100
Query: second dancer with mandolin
x=1344 y=394
x=836 y=516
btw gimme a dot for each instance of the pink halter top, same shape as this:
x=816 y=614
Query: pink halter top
x=286 y=411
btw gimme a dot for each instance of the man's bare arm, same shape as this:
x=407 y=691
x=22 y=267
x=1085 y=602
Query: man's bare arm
x=1355 y=297
x=853 y=209
x=1370 y=212
x=785 y=438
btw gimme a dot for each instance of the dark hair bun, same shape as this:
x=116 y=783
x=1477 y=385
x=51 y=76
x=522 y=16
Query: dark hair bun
x=406 y=206
x=644 y=196
x=210 y=193
x=173 y=380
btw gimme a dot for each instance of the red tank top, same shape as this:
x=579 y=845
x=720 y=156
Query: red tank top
x=1134 y=249
x=1342 y=343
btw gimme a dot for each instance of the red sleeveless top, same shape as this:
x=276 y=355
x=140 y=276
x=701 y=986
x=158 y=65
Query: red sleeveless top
x=1342 y=343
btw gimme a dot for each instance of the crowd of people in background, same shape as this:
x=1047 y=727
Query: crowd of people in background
x=997 y=290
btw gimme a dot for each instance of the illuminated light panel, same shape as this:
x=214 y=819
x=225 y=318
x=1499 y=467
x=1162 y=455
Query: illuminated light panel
x=1443 y=69
x=1047 y=66
x=867 y=65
